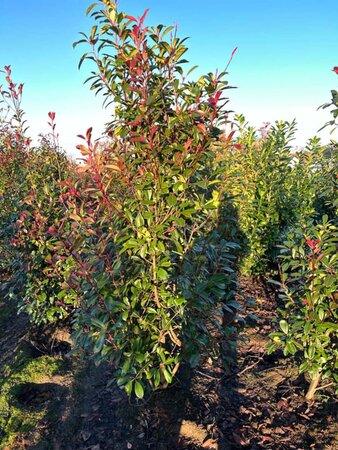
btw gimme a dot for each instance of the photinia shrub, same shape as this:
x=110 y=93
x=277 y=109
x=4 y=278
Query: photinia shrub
x=47 y=295
x=14 y=154
x=30 y=191
x=309 y=317
x=153 y=266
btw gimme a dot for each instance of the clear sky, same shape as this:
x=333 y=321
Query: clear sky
x=282 y=69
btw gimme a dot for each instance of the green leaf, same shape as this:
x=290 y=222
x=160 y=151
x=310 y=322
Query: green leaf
x=129 y=387
x=172 y=200
x=284 y=326
x=139 y=221
x=291 y=347
x=162 y=274
x=167 y=375
x=311 y=351
x=139 y=391
x=90 y=8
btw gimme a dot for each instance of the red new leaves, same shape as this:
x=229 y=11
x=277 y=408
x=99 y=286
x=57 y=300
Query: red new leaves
x=312 y=244
x=138 y=32
x=13 y=92
x=335 y=70
x=51 y=115
x=231 y=58
x=214 y=100
x=234 y=51
x=54 y=136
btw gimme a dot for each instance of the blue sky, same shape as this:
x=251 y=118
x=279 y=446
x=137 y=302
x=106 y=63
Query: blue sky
x=282 y=69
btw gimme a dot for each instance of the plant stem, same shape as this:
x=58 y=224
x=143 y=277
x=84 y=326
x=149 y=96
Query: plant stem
x=312 y=388
x=157 y=301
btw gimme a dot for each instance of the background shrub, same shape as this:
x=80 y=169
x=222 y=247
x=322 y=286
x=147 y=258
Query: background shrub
x=309 y=325
x=14 y=152
x=46 y=296
x=257 y=170
x=31 y=204
x=313 y=182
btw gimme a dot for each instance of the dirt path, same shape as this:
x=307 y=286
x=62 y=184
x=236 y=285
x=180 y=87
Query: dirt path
x=257 y=405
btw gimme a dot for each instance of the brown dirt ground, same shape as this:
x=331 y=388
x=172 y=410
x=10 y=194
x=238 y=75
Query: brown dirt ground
x=259 y=404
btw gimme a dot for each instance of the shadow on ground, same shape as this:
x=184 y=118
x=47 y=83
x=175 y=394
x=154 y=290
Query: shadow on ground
x=258 y=404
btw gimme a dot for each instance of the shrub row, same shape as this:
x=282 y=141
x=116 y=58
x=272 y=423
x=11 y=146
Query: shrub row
x=139 y=244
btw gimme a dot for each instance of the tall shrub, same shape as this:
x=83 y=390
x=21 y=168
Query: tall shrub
x=153 y=265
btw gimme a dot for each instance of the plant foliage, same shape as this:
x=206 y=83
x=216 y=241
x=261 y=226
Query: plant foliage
x=309 y=277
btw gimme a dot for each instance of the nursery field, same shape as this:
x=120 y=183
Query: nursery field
x=176 y=286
